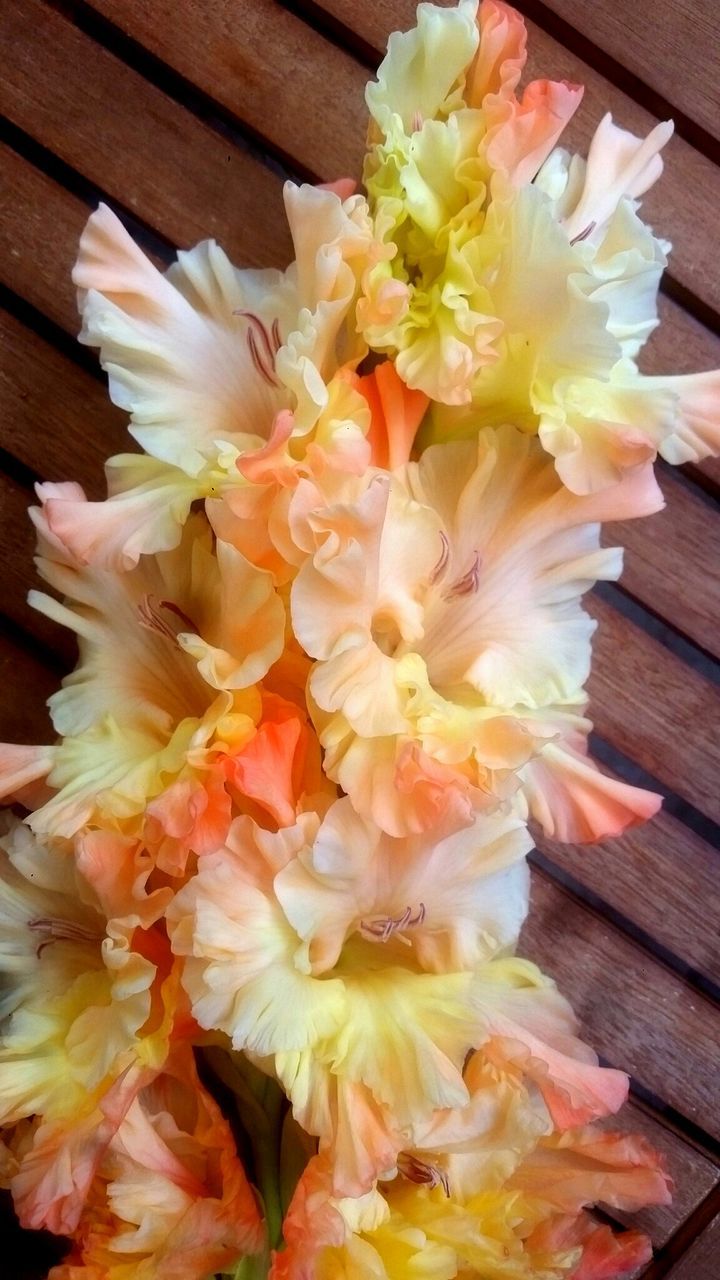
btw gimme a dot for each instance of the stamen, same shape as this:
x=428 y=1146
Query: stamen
x=584 y=234
x=261 y=346
x=442 y=563
x=151 y=617
x=60 y=931
x=468 y=583
x=386 y=926
x=427 y=1175
x=175 y=608
x=417 y=121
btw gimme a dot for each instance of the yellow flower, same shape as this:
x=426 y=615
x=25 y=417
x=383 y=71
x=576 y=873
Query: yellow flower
x=516 y=283
x=217 y=367
x=88 y=1008
x=442 y=603
x=302 y=947
x=447 y=136
x=164 y=694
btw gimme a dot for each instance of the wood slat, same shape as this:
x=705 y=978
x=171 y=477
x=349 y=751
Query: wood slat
x=152 y=156
x=685 y=533
x=636 y=1013
x=700 y=1262
x=51 y=410
x=25 y=685
x=654 y=708
x=680 y=207
x=683 y=870
x=664 y=44
x=40 y=226
x=267 y=68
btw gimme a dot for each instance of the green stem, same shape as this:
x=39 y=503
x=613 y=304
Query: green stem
x=260 y=1104
x=267 y=1163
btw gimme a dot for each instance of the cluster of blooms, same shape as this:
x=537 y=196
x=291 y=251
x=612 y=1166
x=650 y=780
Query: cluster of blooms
x=262 y=1011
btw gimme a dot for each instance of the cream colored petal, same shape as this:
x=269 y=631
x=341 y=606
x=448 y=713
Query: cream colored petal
x=145 y=511
x=422 y=67
x=618 y=164
x=176 y=348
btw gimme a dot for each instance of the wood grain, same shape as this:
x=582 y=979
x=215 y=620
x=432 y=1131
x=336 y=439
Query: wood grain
x=683 y=533
x=677 y=207
x=683 y=870
x=637 y=1014
x=25 y=685
x=654 y=708
x=701 y=1260
x=52 y=410
x=153 y=156
x=40 y=226
x=663 y=44
x=267 y=68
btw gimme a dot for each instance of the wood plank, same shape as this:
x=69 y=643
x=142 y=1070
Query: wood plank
x=152 y=156
x=40 y=226
x=681 y=867
x=25 y=685
x=665 y=45
x=671 y=561
x=681 y=207
x=636 y=1013
x=51 y=410
x=654 y=708
x=266 y=67
x=700 y=1262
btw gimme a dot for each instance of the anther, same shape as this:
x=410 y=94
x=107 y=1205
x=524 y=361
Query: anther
x=262 y=346
x=442 y=563
x=385 y=927
x=60 y=931
x=584 y=234
x=426 y=1175
x=468 y=584
x=151 y=617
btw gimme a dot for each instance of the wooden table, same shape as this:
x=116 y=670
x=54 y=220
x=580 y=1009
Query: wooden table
x=186 y=116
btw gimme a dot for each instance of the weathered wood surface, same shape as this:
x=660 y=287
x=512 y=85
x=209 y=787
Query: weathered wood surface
x=663 y=45
x=186 y=117
x=702 y=1257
